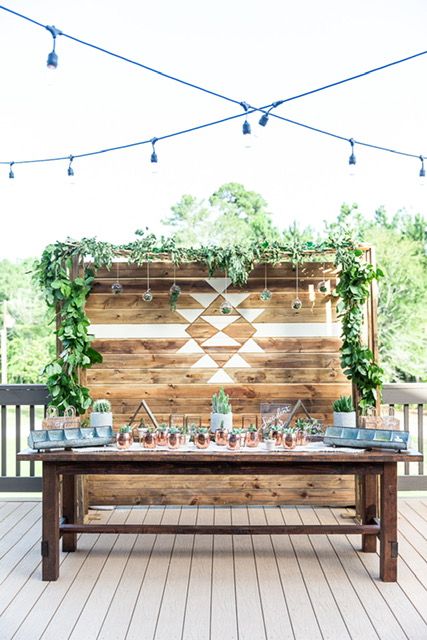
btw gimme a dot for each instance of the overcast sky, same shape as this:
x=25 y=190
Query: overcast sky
x=250 y=50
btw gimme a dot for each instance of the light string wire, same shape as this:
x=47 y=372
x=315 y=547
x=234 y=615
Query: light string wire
x=248 y=108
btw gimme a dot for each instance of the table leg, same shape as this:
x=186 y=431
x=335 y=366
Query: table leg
x=388 y=533
x=69 y=540
x=50 y=537
x=368 y=505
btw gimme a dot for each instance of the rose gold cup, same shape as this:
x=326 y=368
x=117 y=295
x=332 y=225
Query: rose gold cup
x=183 y=439
x=289 y=440
x=301 y=437
x=173 y=441
x=162 y=438
x=202 y=440
x=149 y=441
x=277 y=436
x=234 y=441
x=124 y=440
x=252 y=439
x=221 y=437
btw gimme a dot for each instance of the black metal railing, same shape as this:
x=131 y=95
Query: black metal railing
x=22 y=408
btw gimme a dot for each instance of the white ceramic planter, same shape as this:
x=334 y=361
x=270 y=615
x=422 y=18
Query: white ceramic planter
x=98 y=419
x=344 y=419
x=218 y=418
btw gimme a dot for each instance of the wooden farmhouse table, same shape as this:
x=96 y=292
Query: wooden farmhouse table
x=365 y=464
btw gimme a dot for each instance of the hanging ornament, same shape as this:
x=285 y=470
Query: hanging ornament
x=148 y=296
x=296 y=302
x=322 y=287
x=265 y=295
x=116 y=287
x=226 y=307
x=174 y=292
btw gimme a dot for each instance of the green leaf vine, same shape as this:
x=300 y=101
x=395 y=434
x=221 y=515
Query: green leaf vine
x=66 y=290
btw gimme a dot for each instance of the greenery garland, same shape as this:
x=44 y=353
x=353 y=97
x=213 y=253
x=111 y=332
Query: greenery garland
x=67 y=295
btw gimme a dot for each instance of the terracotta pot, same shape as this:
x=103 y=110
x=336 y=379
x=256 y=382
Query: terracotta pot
x=149 y=440
x=202 y=440
x=234 y=441
x=221 y=437
x=124 y=440
x=162 y=437
x=289 y=440
x=251 y=439
x=301 y=437
x=277 y=436
x=174 y=441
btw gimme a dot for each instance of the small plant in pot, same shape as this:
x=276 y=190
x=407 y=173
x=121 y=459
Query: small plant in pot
x=221 y=411
x=149 y=440
x=162 y=435
x=124 y=437
x=344 y=413
x=174 y=439
x=301 y=430
x=202 y=438
x=289 y=439
x=252 y=436
x=234 y=439
x=221 y=435
x=101 y=415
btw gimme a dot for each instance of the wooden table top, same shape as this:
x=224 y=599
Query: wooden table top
x=214 y=454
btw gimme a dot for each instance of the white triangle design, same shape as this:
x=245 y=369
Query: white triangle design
x=220 y=376
x=220 y=339
x=190 y=347
x=250 y=346
x=190 y=314
x=205 y=299
x=236 y=361
x=236 y=298
x=219 y=284
x=220 y=322
x=250 y=314
x=205 y=362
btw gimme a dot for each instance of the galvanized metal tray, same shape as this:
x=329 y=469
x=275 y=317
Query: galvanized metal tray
x=70 y=438
x=366 y=438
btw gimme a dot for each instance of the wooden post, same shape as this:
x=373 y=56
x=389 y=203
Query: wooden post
x=388 y=533
x=373 y=321
x=69 y=509
x=50 y=508
x=368 y=492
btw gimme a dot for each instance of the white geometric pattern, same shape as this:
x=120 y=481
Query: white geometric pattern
x=219 y=284
x=220 y=322
x=297 y=329
x=236 y=298
x=220 y=339
x=237 y=362
x=205 y=299
x=220 y=377
x=250 y=346
x=190 y=314
x=190 y=347
x=205 y=362
x=139 y=330
x=250 y=314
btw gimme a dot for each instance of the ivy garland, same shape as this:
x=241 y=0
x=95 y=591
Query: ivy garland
x=67 y=294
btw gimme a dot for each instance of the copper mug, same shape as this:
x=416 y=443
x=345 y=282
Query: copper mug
x=124 y=440
x=221 y=437
x=202 y=440
x=289 y=440
x=174 y=440
x=301 y=437
x=162 y=437
x=233 y=441
x=277 y=436
x=149 y=440
x=252 y=439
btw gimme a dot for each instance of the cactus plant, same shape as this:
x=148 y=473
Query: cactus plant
x=344 y=413
x=344 y=404
x=101 y=406
x=221 y=402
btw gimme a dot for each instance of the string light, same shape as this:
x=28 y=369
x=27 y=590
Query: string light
x=422 y=173
x=352 y=158
x=246 y=127
x=154 y=159
x=265 y=116
x=52 y=59
x=70 y=170
x=11 y=174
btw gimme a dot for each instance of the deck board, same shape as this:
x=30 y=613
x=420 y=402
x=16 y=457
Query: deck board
x=212 y=587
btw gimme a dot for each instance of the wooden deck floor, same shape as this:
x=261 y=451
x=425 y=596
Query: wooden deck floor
x=221 y=588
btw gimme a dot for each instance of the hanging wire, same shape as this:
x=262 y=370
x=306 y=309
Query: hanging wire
x=296 y=302
x=148 y=296
x=225 y=307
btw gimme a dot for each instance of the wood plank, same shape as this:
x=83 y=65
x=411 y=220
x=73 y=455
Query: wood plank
x=198 y=376
x=135 y=316
x=197 y=619
x=14 y=515
x=135 y=346
x=223 y=599
x=17 y=529
x=327 y=613
x=299 y=345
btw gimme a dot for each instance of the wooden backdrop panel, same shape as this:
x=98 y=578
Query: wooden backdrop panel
x=264 y=351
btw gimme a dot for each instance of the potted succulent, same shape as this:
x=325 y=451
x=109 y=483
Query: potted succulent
x=234 y=439
x=101 y=415
x=124 y=437
x=344 y=413
x=252 y=436
x=277 y=432
x=162 y=435
x=202 y=438
x=149 y=440
x=174 y=440
x=221 y=411
x=289 y=438
x=221 y=435
x=301 y=429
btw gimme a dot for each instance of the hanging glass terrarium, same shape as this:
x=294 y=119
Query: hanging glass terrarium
x=296 y=304
x=323 y=287
x=225 y=307
x=116 y=287
x=174 y=292
x=147 y=296
x=265 y=294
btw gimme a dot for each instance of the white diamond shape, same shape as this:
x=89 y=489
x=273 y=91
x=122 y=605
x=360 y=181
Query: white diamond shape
x=205 y=299
x=250 y=346
x=221 y=377
x=236 y=298
x=190 y=347
x=250 y=314
x=206 y=362
x=219 y=284
x=220 y=339
x=220 y=322
x=237 y=362
x=190 y=314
